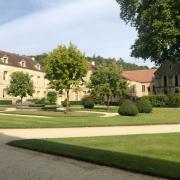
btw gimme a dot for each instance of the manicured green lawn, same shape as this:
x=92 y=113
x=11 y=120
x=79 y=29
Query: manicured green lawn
x=80 y=119
x=157 y=154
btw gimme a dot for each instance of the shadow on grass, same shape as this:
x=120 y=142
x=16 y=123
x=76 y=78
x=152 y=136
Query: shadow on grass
x=145 y=165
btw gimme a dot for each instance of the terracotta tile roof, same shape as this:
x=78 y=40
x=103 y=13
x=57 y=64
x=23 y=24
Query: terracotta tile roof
x=15 y=60
x=142 y=76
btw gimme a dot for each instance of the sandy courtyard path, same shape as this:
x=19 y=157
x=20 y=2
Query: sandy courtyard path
x=89 y=131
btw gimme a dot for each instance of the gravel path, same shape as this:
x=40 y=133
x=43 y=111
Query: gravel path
x=20 y=164
x=89 y=131
x=105 y=114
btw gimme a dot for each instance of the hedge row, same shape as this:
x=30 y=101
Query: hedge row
x=162 y=100
x=5 y=102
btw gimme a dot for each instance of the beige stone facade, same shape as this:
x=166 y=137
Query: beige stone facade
x=140 y=82
x=166 y=79
x=10 y=63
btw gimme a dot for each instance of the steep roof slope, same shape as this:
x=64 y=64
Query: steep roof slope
x=15 y=60
x=142 y=76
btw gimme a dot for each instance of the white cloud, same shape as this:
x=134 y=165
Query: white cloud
x=94 y=26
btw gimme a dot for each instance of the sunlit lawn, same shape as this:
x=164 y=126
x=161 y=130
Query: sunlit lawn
x=80 y=119
x=156 y=154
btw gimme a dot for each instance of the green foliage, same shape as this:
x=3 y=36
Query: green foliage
x=64 y=103
x=157 y=24
x=20 y=85
x=52 y=97
x=128 y=108
x=159 y=100
x=107 y=82
x=100 y=61
x=144 y=106
x=5 y=102
x=65 y=68
x=38 y=101
x=75 y=102
x=41 y=58
x=88 y=102
x=174 y=100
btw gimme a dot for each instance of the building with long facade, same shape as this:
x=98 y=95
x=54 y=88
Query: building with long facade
x=165 y=79
x=10 y=62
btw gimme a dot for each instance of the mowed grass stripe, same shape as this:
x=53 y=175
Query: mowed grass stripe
x=157 y=154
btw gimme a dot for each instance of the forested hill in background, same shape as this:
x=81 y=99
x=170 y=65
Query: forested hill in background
x=100 y=61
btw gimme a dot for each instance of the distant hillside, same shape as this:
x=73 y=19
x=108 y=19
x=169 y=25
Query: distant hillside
x=106 y=61
x=100 y=61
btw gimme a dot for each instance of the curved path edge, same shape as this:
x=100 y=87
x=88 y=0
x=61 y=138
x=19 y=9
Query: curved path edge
x=89 y=131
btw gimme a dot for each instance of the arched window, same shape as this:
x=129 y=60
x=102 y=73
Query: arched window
x=176 y=81
x=165 y=81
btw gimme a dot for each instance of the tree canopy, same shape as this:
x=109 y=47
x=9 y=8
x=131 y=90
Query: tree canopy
x=65 y=68
x=20 y=85
x=158 y=25
x=107 y=82
x=99 y=61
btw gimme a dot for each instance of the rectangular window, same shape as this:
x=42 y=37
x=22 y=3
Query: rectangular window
x=5 y=75
x=143 y=88
x=76 y=96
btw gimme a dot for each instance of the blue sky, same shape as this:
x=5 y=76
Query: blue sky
x=36 y=26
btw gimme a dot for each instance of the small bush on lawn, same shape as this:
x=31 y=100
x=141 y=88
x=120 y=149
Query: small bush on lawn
x=128 y=108
x=52 y=97
x=63 y=103
x=88 y=102
x=174 y=100
x=144 y=105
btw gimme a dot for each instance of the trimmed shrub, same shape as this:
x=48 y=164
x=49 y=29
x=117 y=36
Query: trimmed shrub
x=52 y=97
x=128 y=108
x=63 y=103
x=5 y=102
x=173 y=100
x=159 y=100
x=144 y=106
x=88 y=102
x=38 y=101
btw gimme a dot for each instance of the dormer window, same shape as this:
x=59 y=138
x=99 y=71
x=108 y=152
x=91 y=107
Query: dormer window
x=38 y=66
x=5 y=59
x=23 y=63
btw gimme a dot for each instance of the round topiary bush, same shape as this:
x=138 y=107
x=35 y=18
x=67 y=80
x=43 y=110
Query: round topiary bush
x=88 y=102
x=128 y=108
x=144 y=105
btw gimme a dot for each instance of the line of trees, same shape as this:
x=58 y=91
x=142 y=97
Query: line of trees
x=66 y=67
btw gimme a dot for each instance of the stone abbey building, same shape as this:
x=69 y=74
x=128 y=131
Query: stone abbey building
x=165 y=79
x=10 y=62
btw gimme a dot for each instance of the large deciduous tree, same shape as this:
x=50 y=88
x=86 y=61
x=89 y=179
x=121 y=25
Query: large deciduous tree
x=65 y=68
x=158 y=25
x=20 y=85
x=107 y=82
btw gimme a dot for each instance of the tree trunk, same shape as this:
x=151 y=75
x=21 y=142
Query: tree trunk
x=21 y=100
x=108 y=101
x=67 y=103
